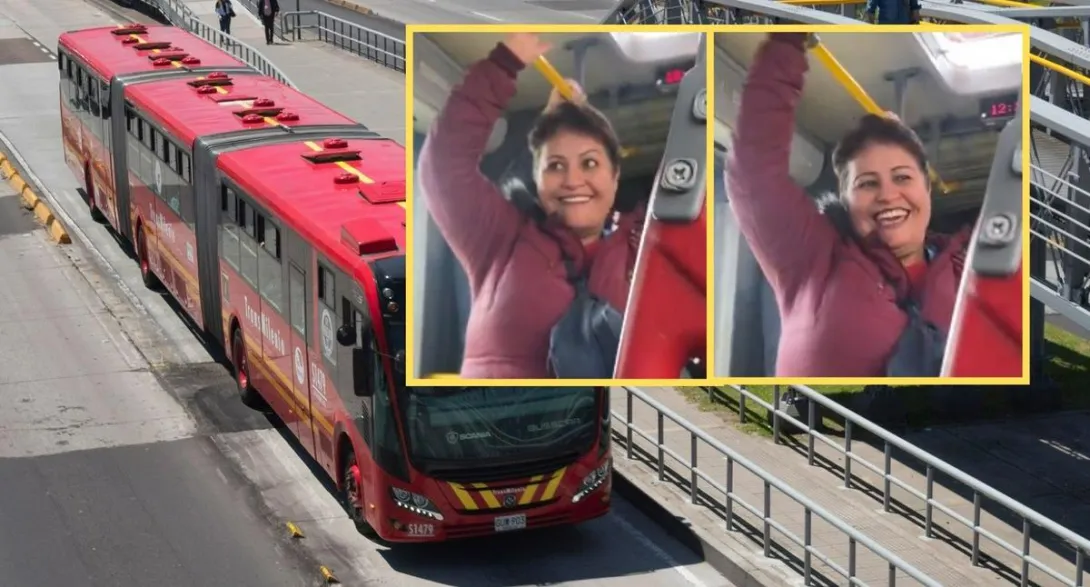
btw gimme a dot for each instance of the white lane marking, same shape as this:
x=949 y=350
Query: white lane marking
x=488 y=16
x=661 y=554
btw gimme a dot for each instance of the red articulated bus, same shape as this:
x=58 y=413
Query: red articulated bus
x=279 y=226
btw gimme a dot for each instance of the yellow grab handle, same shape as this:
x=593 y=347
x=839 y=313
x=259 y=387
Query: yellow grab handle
x=557 y=81
x=553 y=77
x=845 y=79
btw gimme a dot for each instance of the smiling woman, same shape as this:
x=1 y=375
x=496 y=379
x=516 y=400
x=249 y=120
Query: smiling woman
x=545 y=221
x=865 y=282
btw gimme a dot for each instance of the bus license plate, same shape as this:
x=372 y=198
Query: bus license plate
x=507 y=523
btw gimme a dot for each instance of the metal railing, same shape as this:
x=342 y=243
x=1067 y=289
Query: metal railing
x=932 y=465
x=342 y=34
x=180 y=15
x=728 y=499
x=314 y=25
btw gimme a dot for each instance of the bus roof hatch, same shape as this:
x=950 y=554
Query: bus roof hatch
x=366 y=236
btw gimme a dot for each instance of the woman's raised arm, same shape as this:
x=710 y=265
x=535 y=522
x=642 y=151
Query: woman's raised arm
x=787 y=234
x=468 y=208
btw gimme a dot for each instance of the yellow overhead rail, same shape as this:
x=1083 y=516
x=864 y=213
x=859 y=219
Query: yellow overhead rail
x=1071 y=73
x=554 y=78
x=557 y=81
x=845 y=79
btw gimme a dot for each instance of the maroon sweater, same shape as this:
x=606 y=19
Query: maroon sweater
x=515 y=266
x=837 y=297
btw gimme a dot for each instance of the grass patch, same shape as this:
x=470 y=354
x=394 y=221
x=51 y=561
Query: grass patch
x=1068 y=367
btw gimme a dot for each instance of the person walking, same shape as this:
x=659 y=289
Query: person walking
x=892 y=12
x=268 y=10
x=225 y=12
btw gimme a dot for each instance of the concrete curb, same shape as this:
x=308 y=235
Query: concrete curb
x=354 y=7
x=32 y=202
x=737 y=559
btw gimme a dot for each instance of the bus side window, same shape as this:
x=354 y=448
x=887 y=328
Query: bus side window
x=269 y=270
x=104 y=100
x=358 y=323
x=81 y=91
x=187 y=173
x=147 y=164
x=94 y=120
x=229 y=243
x=327 y=302
x=248 y=249
x=387 y=449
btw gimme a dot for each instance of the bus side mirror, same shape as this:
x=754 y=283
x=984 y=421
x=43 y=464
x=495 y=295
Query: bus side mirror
x=346 y=335
x=361 y=372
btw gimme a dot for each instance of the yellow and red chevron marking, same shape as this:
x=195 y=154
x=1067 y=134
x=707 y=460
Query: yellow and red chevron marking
x=479 y=496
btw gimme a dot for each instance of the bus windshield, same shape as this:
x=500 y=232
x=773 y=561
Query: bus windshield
x=456 y=426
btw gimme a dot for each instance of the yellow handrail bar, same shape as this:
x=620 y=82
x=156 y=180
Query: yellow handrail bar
x=557 y=81
x=1071 y=73
x=845 y=79
x=554 y=78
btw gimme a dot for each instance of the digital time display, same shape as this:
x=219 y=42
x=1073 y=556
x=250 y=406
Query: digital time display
x=672 y=75
x=999 y=107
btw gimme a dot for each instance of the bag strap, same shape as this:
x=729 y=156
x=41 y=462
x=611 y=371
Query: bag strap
x=577 y=279
x=909 y=304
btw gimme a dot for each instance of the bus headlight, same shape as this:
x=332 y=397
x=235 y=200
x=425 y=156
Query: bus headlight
x=592 y=481
x=415 y=503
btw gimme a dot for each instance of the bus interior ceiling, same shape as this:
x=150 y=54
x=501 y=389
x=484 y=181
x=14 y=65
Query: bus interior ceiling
x=962 y=156
x=637 y=106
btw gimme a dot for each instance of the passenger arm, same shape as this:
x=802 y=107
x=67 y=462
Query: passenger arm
x=788 y=235
x=468 y=208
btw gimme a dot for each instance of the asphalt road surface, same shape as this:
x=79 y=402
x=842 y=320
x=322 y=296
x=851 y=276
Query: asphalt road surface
x=107 y=480
x=460 y=11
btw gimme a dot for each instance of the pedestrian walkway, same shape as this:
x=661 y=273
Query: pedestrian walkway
x=1011 y=457
x=369 y=93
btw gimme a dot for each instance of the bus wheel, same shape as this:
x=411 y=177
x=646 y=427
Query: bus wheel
x=96 y=214
x=352 y=495
x=246 y=390
x=149 y=278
